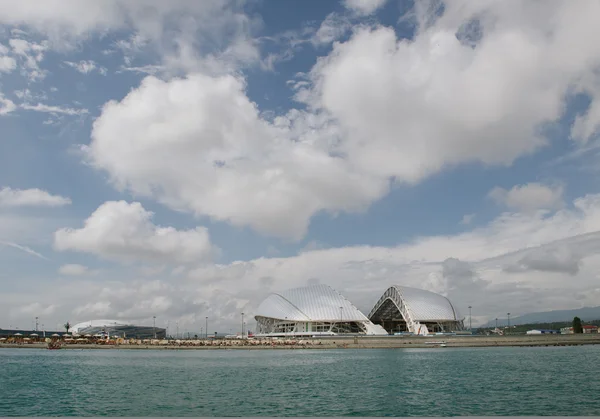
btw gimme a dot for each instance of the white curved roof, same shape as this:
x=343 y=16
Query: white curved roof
x=97 y=323
x=312 y=303
x=427 y=305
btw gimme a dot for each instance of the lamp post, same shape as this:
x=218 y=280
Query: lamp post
x=341 y=319
x=496 y=323
x=36 y=323
x=470 y=324
x=508 y=316
x=177 y=324
x=206 y=330
x=242 y=325
x=154 y=326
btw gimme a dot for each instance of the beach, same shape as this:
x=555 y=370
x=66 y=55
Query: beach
x=340 y=342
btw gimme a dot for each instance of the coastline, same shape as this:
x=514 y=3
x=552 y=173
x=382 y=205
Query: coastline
x=363 y=342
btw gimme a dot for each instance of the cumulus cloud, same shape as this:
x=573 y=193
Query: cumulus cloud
x=232 y=165
x=30 y=198
x=73 y=270
x=411 y=108
x=529 y=197
x=121 y=231
x=472 y=268
x=364 y=7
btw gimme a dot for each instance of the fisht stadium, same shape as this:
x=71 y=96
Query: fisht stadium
x=319 y=310
x=118 y=328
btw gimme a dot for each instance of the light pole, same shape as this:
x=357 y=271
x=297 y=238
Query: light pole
x=177 y=324
x=206 y=327
x=496 y=323
x=36 y=323
x=508 y=316
x=470 y=324
x=341 y=319
x=154 y=326
x=242 y=325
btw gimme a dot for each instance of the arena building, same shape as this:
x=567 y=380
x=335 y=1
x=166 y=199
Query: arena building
x=411 y=310
x=316 y=310
x=102 y=328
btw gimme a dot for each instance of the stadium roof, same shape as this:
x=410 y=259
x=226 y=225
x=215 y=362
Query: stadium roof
x=311 y=303
x=98 y=323
x=416 y=307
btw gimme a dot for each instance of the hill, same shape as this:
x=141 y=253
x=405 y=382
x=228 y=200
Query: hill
x=585 y=314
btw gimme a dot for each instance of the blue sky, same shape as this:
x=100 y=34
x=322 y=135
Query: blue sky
x=202 y=155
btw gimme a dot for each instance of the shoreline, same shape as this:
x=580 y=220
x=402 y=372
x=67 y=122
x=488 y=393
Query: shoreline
x=389 y=342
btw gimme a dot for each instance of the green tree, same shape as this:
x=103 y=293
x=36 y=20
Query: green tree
x=67 y=326
x=577 y=327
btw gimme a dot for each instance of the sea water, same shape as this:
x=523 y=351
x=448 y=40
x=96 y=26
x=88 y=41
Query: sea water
x=387 y=382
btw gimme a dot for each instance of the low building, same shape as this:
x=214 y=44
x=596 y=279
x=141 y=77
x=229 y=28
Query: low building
x=117 y=328
x=542 y=332
x=590 y=328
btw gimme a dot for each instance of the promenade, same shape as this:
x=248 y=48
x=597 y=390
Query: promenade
x=349 y=342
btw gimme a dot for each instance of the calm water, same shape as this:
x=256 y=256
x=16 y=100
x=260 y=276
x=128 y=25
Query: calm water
x=407 y=382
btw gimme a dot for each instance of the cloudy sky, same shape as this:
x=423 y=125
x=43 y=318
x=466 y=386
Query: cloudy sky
x=184 y=159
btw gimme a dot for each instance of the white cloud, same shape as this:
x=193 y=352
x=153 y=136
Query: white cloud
x=29 y=55
x=331 y=29
x=529 y=197
x=364 y=7
x=452 y=95
x=73 y=270
x=30 y=198
x=232 y=165
x=54 y=109
x=467 y=218
x=86 y=66
x=23 y=249
x=176 y=30
x=6 y=105
x=518 y=263
x=124 y=232
x=7 y=64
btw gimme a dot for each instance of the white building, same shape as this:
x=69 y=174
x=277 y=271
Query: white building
x=316 y=310
x=411 y=310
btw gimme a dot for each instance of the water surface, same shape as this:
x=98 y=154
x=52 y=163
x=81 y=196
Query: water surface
x=379 y=382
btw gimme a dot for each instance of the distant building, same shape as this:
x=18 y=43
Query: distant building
x=104 y=328
x=587 y=328
x=542 y=332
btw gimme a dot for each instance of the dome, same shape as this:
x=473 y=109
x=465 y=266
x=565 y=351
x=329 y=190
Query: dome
x=312 y=303
x=418 y=309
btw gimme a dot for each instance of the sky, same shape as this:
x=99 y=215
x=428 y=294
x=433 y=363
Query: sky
x=186 y=159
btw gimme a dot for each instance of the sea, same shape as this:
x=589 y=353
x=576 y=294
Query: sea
x=557 y=381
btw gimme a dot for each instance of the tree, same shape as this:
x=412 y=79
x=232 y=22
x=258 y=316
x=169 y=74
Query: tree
x=67 y=326
x=577 y=327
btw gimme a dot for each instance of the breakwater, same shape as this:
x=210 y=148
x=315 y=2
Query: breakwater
x=342 y=342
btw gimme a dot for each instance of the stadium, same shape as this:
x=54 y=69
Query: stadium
x=319 y=310
x=103 y=328
x=411 y=310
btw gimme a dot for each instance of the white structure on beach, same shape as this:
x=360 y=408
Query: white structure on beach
x=118 y=328
x=411 y=310
x=316 y=310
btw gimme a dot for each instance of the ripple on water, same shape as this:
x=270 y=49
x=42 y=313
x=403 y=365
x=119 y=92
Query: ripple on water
x=412 y=382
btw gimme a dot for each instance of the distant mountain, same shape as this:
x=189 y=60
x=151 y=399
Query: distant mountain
x=585 y=314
